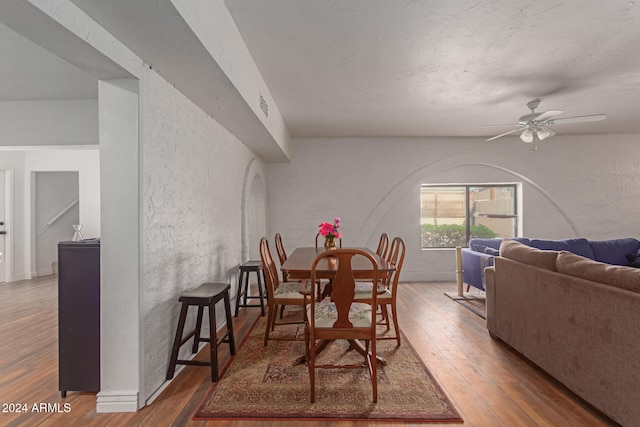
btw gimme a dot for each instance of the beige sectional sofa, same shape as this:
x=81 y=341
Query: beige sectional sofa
x=576 y=318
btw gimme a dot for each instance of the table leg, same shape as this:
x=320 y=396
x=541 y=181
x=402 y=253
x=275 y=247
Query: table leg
x=321 y=346
x=360 y=348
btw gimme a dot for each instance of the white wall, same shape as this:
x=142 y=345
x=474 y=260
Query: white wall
x=65 y=122
x=120 y=289
x=24 y=164
x=84 y=161
x=56 y=210
x=13 y=162
x=201 y=186
x=572 y=186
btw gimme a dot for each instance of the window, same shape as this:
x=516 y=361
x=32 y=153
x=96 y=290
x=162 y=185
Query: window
x=453 y=214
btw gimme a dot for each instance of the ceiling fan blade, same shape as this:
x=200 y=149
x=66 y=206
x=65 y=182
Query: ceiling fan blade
x=501 y=126
x=577 y=119
x=503 y=134
x=548 y=114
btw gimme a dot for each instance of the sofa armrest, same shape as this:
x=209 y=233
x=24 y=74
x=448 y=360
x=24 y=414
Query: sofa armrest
x=473 y=265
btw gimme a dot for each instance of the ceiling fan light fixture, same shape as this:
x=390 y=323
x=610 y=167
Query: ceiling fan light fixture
x=527 y=136
x=535 y=124
x=544 y=132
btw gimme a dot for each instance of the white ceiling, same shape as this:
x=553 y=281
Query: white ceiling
x=443 y=68
x=393 y=67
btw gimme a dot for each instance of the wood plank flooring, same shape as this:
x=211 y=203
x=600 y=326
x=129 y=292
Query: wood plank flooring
x=488 y=383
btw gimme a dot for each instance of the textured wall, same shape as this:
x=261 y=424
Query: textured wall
x=196 y=183
x=572 y=186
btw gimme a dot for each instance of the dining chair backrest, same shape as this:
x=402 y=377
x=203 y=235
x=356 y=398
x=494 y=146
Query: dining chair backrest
x=395 y=257
x=343 y=284
x=282 y=255
x=383 y=245
x=269 y=268
x=320 y=235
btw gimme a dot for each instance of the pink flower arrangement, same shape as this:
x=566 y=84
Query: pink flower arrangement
x=329 y=230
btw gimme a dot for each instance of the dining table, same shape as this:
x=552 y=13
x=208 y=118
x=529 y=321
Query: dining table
x=298 y=267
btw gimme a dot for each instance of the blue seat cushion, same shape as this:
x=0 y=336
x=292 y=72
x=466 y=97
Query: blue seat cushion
x=615 y=251
x=578 y=246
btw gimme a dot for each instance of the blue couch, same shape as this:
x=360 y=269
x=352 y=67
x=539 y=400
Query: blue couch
x=480 y=253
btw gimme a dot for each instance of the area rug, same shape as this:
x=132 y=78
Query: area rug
x=475 y=303
x=265 y=383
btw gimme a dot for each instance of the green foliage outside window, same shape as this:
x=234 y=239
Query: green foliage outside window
x=451 y=235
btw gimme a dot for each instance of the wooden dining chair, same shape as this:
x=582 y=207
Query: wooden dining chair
x=389 y=298
x=383 y=245
x=320 y=235
x=395 y=258
x=340 y=317
x=278 y=294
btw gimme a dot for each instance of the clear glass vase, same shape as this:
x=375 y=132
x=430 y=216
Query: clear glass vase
x=77 y=235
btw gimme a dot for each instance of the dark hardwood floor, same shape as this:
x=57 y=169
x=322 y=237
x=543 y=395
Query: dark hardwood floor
x=488 y=383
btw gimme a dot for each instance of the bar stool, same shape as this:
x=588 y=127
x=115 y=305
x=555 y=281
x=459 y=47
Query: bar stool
x=207 y=294
x=243 y=285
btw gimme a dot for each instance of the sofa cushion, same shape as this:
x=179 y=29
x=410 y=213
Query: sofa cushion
x=477 y=244
x=578 y=246
x=492 y=251
x=614 y=251
x=520 y=252
x=614 y=275
x=485 y=249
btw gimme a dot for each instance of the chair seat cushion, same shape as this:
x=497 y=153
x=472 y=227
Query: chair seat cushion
x=363 y=291
x=326 y=314
x=363 y=288
x=288 y=290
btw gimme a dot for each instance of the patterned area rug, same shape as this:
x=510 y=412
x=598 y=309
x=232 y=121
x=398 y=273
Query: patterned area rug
x=472 y=302
x=266 y=384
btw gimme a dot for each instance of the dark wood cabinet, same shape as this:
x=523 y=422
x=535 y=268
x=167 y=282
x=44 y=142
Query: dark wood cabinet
x=79 y=316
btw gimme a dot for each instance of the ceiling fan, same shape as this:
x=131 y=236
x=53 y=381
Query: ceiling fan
x=537 y=124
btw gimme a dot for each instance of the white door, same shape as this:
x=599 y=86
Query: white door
x=2 y=228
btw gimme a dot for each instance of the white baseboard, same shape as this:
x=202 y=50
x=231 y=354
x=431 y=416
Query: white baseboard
x=44 y=272
x=117 y=401
x=21 y=276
